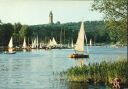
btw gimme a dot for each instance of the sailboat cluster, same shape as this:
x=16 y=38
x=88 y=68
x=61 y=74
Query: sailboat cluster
x=52 y=44
x=79 y=49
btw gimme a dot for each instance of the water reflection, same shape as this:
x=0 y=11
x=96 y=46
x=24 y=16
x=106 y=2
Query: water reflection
x=77 y=85
x=83 y=85
x=81 y=61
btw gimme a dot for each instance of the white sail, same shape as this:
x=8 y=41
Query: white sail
x=34 y=43
x=72 y=45
x=40 y=45
x=54 y=43
x=24 y=43
x=80 y=40
x=50 y=43
x=10 y=45
x=90 y=42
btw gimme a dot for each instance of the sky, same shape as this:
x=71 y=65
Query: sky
x=34 y=12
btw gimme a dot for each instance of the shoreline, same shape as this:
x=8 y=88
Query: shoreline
x=104 y=73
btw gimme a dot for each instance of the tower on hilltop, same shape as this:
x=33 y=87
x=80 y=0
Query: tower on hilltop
x=50 y=18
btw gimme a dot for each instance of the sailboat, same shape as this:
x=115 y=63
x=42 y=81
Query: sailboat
x=40 y=45
x=68 y=45
x=79 y=47
x=52 y=43
x=10 y=47
x=25 y=48
x=72 y=45
x=35 y=43
x=24 y=44
x=90 y=42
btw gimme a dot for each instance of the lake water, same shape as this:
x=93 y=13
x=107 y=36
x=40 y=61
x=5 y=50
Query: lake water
x=39 y=69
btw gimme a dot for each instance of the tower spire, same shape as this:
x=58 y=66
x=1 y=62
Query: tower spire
x=50 y=17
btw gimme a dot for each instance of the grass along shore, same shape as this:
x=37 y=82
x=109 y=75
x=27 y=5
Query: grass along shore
x=103 y=73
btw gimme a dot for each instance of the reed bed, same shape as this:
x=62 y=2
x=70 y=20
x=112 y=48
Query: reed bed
x=103 y=73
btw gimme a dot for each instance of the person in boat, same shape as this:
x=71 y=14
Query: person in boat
x=11 y=49
x=75 y=53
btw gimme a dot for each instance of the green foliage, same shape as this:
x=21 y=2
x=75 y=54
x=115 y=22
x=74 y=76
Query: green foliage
x=6 y=31
x=16 y=35
x=116 y=18
x=63 y=33
x=117 y=31
x=24 y=31
x=104 y=72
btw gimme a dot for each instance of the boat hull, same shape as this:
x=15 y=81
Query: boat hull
x=79 y=56
x=10 y=52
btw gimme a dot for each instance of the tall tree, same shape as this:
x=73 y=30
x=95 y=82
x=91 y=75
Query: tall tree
x=116 y=17
x=25 y=32
x=6 y=31
x=17 y=27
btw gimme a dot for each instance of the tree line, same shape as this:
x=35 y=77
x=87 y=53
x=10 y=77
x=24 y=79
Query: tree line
x=63 y=33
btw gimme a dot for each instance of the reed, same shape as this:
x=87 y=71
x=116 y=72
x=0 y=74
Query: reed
x=104 y=72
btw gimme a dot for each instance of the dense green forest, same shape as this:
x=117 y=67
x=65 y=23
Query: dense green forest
x=63 y=33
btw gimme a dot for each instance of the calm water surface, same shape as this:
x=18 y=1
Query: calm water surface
x=39 y=69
